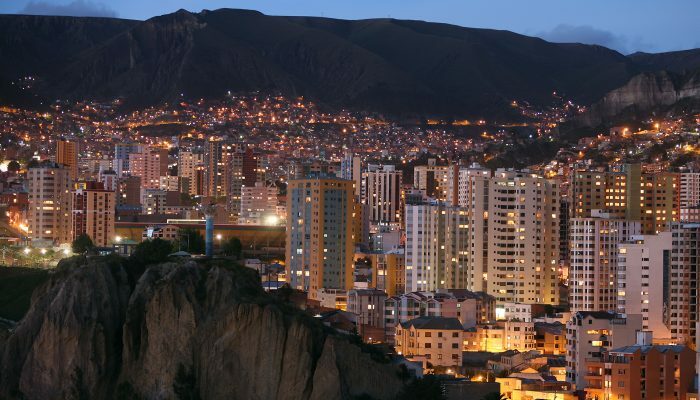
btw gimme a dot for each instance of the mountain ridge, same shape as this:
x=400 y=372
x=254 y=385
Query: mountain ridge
x=397 y=67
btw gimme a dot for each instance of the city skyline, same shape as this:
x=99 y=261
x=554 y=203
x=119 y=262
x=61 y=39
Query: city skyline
x=237 y=205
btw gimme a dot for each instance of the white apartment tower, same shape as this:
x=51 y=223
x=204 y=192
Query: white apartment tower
x=188 y=165
x=461 y=181
x=436 y=247
x=351 y=169
x=432 y=179
x=593 y=257
x=643 y=272
x=259 y=205
x=382 y=193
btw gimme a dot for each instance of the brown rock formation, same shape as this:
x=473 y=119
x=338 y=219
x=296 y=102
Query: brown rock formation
x=184 y=329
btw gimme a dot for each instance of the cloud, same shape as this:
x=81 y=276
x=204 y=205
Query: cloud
x=76 y=8
x=587 y=34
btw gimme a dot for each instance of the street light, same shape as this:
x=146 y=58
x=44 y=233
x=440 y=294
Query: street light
x=27 y=250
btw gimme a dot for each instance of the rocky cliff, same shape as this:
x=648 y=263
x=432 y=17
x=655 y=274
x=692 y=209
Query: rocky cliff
x=182 y=330
x=647 y=92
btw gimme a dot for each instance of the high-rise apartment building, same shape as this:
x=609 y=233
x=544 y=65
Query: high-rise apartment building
x=690 y=196
x=522 y=238
x=93 y=213
x=67 y=154
x=382 y=193
x=590 y=333
x=254 y=167
x=659 y=198
x=437 y=238
x=597 y=190
x=129 y=192
x=49 y=213
x=682 y=290
x=109 y=179
x=643 y=283
x=461 y=181
x=216 y=160
x=121 y=156
x=652 y=198
x=228 y=167
x=351 y=169
x=189 y=165
x=320 y=242
x=149 y=165
x=258 y=205
x=432 y=178
x=388 y=271
x=593 y=260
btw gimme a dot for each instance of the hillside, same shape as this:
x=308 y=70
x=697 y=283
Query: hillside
x=399 y=67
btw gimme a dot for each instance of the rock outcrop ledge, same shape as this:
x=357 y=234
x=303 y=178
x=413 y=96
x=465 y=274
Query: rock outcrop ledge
x=181 y=330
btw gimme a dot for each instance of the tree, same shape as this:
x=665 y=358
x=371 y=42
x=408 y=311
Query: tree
x=233 y=247
x=191 y=241
x=82 y=244
x=152 y=251
x=426 y=388
x=493 y=396
x=13 y=166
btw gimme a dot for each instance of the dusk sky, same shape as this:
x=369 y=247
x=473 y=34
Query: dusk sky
x=624 y=25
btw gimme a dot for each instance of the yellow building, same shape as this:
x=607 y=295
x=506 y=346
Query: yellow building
x=506 y=335
x=431 y=340
x=388 y=271
x=632 y=194
x=320 y=234
x=529 y=385
x=49 y=211
x=67 y=154
x=488 y=338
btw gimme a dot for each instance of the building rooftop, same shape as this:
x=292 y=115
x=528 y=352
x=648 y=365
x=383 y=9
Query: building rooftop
x=646 y=348
x=597 y=314
x=433 y=323
x=555 y=328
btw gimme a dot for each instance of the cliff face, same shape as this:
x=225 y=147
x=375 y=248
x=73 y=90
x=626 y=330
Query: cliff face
x=646 y=92
x=183 y=330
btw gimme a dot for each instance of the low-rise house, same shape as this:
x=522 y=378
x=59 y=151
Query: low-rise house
x=550 y=338
x=502 y=336
x=433 y=340
x=532 y=385
x=470 y=308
